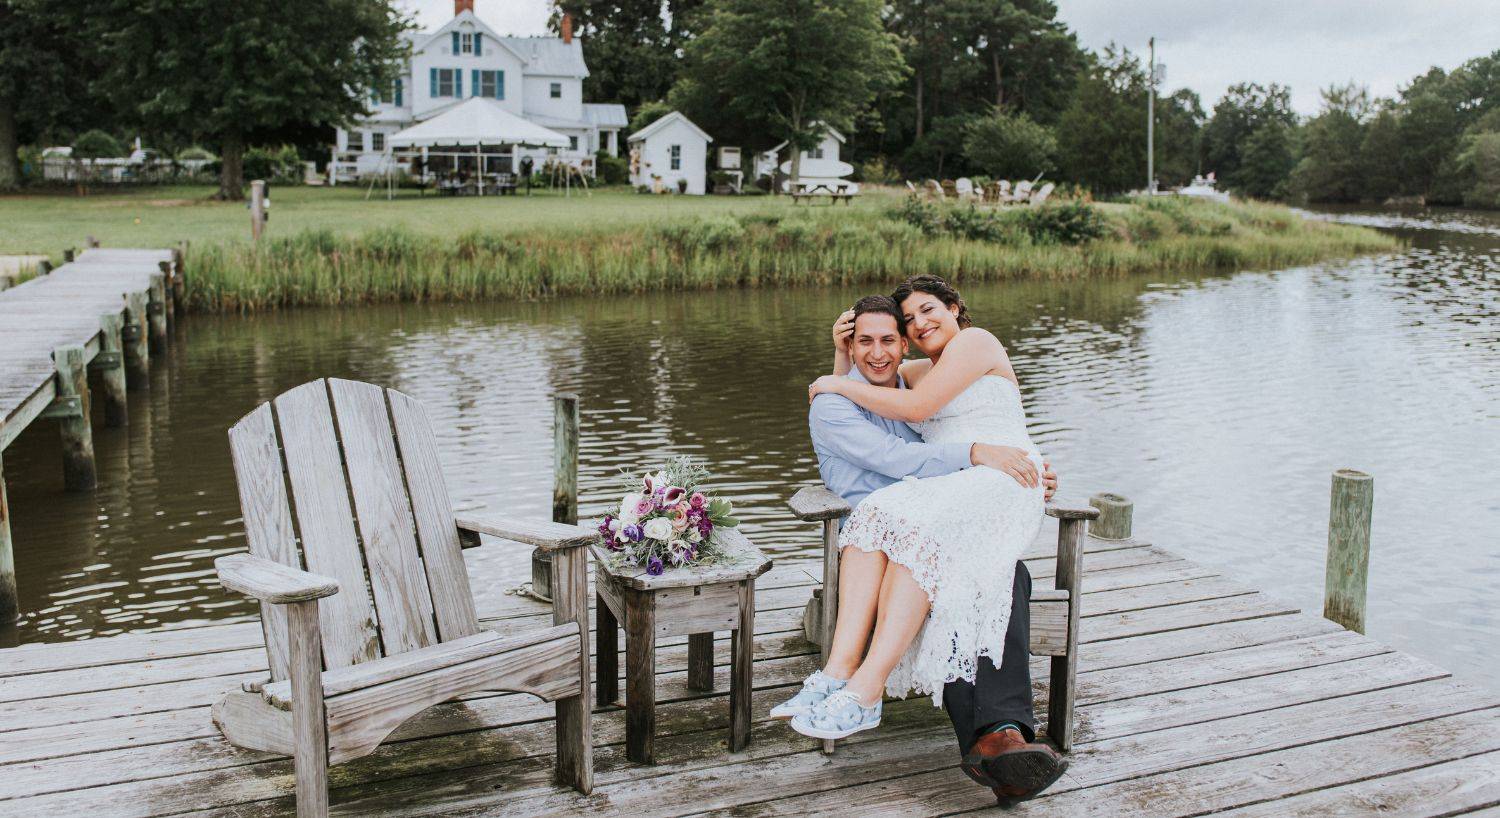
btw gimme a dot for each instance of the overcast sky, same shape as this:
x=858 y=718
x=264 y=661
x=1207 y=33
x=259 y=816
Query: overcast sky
x=1209 y=45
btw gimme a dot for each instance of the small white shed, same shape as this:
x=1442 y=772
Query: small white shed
x=822 y=160
x=669 y=149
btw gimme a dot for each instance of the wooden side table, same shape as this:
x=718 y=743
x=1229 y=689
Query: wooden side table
x=694 y=601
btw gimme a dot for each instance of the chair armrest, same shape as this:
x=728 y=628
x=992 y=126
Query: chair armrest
x=270 y=581
x=812 y=503
x=545 y=536
x=1071 y=510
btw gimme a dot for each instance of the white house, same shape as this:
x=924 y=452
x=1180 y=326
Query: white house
x=537 y=78
x=822 y=160
x=669 y=149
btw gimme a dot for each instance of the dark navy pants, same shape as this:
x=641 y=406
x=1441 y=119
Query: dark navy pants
x=998 y=694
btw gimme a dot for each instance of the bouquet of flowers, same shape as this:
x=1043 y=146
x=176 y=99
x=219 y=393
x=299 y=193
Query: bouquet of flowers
x=664 y=520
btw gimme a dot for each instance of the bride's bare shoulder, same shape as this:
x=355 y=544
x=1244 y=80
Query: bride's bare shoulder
x=976 y=338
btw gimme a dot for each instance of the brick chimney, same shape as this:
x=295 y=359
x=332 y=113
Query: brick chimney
x=461 y=6
x=567 y=26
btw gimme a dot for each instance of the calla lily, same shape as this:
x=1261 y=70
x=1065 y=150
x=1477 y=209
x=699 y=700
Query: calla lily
x=674 y=495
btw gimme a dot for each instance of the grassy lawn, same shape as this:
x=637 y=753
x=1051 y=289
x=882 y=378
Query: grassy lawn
x=331 y=246
x=162 y=216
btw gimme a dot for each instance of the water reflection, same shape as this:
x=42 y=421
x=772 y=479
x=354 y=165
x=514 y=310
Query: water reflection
x=1220 y=404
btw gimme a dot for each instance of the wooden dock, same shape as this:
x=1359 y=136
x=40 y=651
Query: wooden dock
x=1196 y=694
x=106 y=311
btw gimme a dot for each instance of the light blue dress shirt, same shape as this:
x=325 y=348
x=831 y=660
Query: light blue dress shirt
x=860 y=451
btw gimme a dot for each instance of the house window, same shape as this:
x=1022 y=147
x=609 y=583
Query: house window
x=815 y=153
x=489 y=84
x=676 y=154
x=556 y=90
x=356 y=141
x=447 y=82
x=466 y=42
x=572 y=143
x=377 y=141
x=391 y=95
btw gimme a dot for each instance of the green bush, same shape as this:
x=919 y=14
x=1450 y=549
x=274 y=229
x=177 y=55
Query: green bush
x=703 y=235
x=613 y=170
x=973 y=224
x=920 y=214
x=1068 y=223
x=97 y=144
x=194 y=152
x=274 y=164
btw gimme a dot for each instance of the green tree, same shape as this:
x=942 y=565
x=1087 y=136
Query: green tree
x=1380 y=155
x=1009 y=146
x=1101 y=137
x=240 y=74
x=1179 y=137
x=787 y=68
x=1243 y=110
x=1029 y=56
x=1331 y=168
x=1266 y=161
x=44 y=68
x=647 y=114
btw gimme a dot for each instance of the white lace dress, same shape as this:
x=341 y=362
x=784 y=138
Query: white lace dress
x=960 y=536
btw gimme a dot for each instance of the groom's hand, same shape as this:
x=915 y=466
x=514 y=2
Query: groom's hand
x=1049 y=480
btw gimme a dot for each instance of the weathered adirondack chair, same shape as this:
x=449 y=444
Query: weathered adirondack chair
x=1054 y=613
x=352 y=658
x=1040 y=194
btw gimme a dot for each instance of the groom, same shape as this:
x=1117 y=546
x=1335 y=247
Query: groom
x=859 y=452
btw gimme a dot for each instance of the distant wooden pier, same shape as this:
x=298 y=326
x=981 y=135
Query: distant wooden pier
x=104 y=310
x=1195 y=695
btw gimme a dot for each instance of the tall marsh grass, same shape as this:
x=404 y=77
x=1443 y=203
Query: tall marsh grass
x=801 y=246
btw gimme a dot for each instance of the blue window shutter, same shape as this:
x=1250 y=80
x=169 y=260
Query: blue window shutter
x=499 y=85
x=398 y=92
x=432 y=74
x=458 y=83
x=455 y=42
x=478 y=49
x=474 y=91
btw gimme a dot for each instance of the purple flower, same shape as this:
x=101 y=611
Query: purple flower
x=705 y=527
x=634 y=532
x=697 y=500
x=673 y=495
x=654 y=566
x=604 y=529
x=644 y=507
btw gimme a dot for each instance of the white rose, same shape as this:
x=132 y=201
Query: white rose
x=659 y=528
x=627 y=513
x=693 y=536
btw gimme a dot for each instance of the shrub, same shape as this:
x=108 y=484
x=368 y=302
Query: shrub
x=97 y=144
x=613 y=170
x=920 y=214
x=970 y=223
x=703 y=235
x=877 y=171
x=195 y=153
x=682 y=185
x=1009 y=145
x=274 y=164
x=1068 y=223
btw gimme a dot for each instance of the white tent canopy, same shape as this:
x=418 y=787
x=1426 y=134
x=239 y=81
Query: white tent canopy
x=477 y=121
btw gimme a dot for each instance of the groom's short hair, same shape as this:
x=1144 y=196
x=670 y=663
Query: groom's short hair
x=880 y=304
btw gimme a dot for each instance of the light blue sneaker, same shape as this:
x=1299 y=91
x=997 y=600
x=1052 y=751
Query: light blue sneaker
x=839 y=716
x=815 y=689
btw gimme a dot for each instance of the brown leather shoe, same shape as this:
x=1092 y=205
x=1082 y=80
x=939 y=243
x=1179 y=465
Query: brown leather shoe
x=1013 y=768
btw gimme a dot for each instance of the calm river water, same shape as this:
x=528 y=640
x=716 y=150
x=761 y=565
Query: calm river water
x=1220 y=404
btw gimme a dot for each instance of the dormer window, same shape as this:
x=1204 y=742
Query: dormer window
x=466 y=42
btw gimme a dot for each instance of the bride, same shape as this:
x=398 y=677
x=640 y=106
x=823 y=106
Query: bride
x=952 y=541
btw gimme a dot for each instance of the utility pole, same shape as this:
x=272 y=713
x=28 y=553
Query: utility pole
x=1151 y=121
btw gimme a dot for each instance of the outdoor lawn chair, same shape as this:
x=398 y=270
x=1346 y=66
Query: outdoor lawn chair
x=934 y=190
x=965 y=188
x=350 y=659
x=1022 y=192
x=1054 y=613
x=1041 y=193
x=950 y=189
x=1002 y=191
x=911 y=187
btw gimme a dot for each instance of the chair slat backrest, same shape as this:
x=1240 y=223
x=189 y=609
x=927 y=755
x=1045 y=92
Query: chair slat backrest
x=384 y=516
x=369 y=501
x=267 y=515
x=330 y=547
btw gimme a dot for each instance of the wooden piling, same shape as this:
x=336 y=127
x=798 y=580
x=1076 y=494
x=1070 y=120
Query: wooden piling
x=72 y=411
x=1115 y=513
x=68 y=255
x=110 y=364
x=157 y=310
x=179 y=280
x=564 y=484
x=90 y=242
x=133 y=339
x=1350 y=505
x=44 y=267
x=10 y=607
x=257 y=209
x=169 y=294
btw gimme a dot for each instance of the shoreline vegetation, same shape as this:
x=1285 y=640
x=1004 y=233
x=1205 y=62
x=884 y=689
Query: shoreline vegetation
x=789 y=247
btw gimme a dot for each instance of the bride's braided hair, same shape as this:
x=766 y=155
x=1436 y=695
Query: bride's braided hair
x=939 y=289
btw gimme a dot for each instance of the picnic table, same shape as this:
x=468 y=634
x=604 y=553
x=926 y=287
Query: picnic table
x=835 y=191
